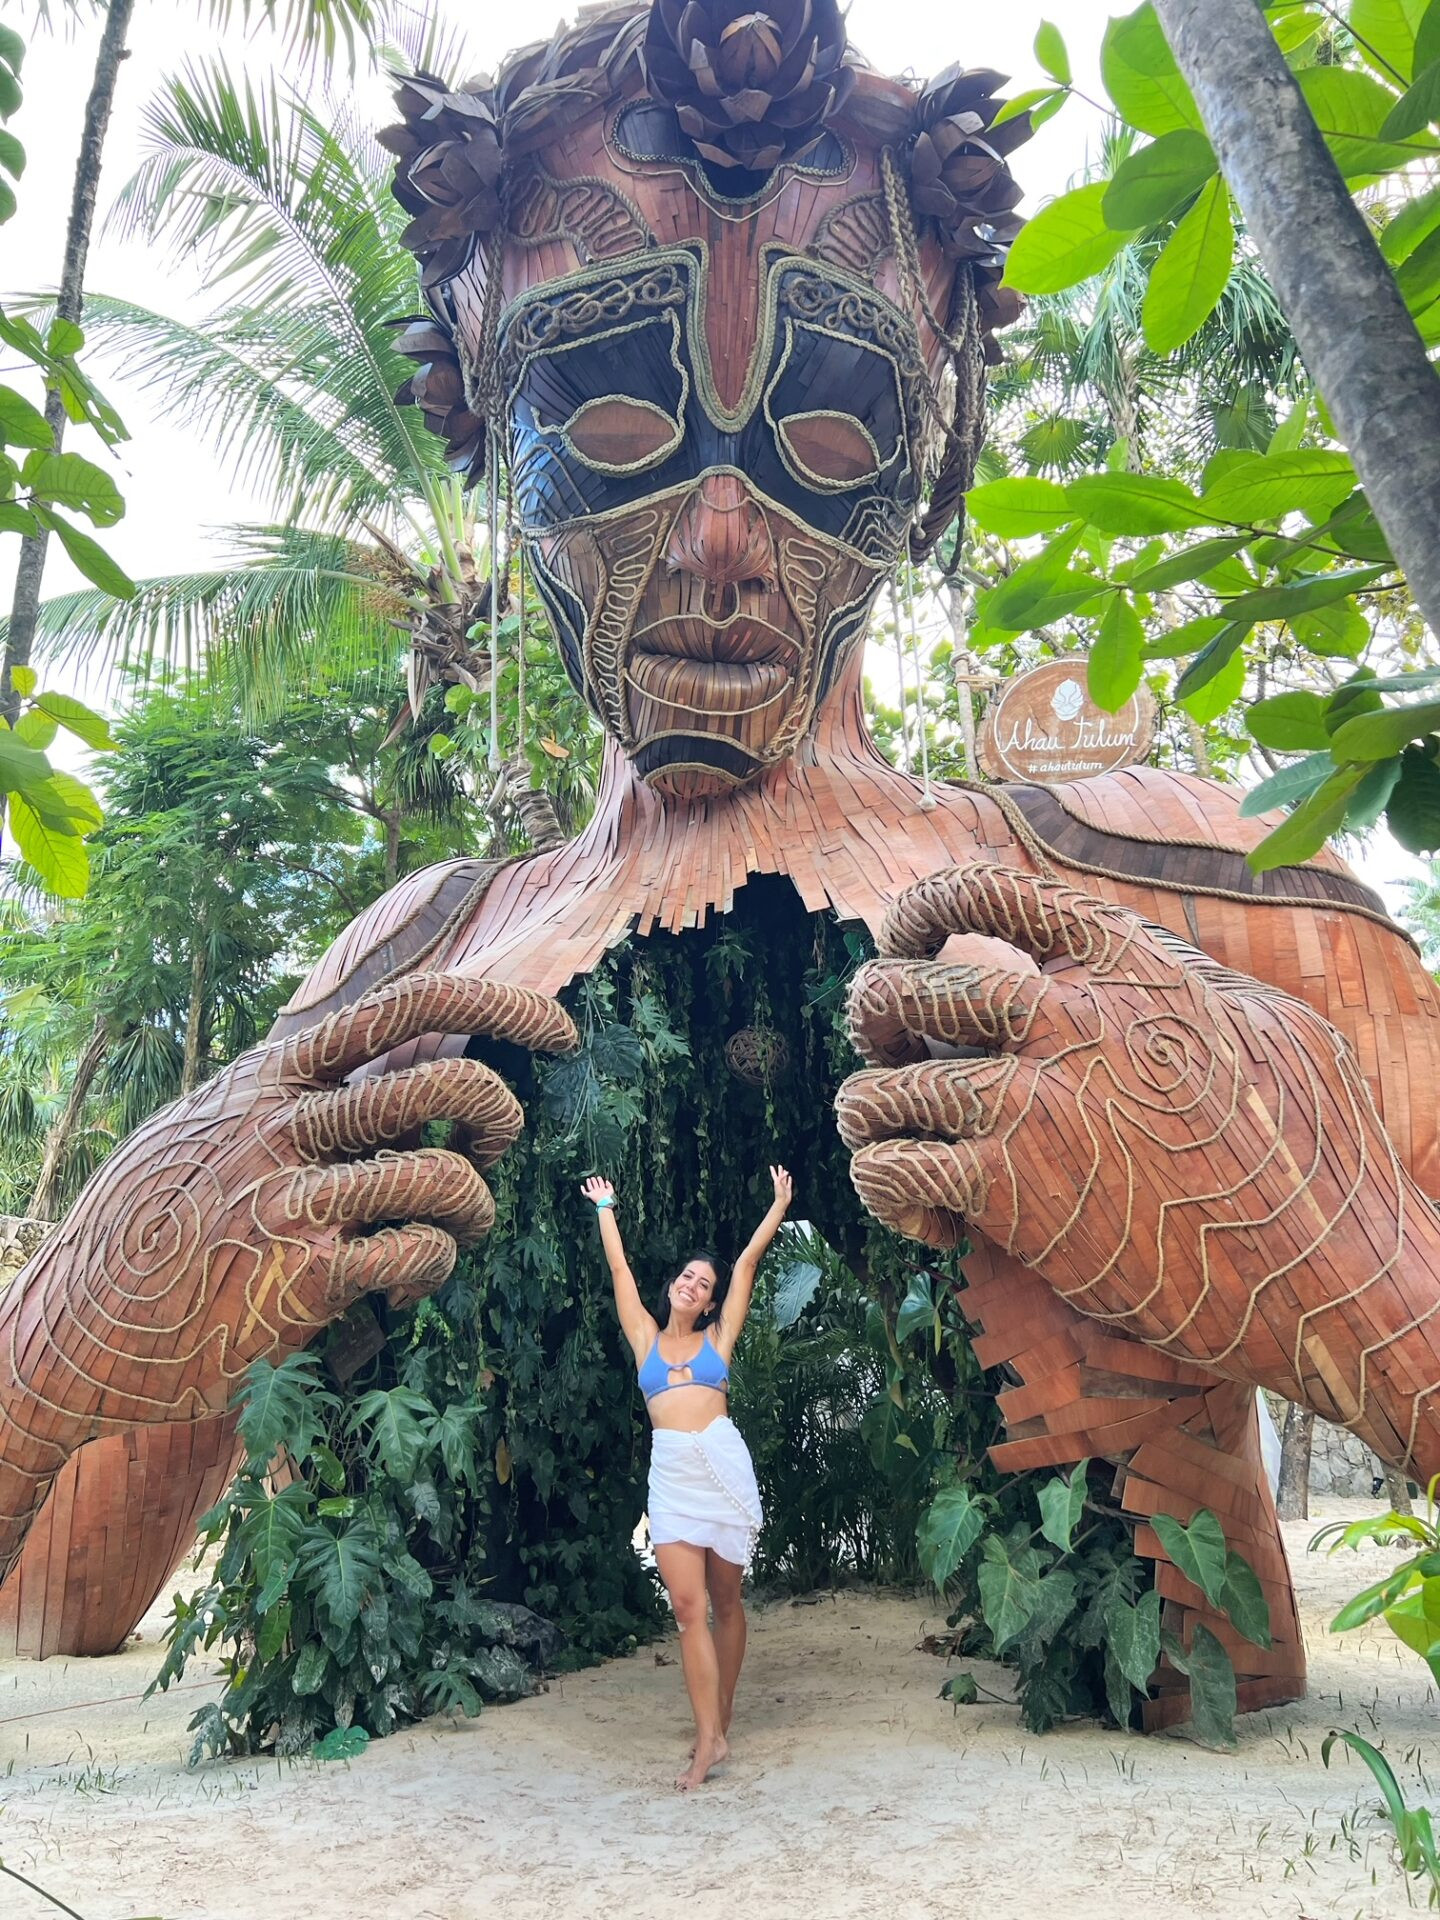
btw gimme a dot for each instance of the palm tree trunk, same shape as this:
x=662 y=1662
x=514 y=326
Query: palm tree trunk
x=1292 y=1497
x=26 y=603
x=1354 y=331
x=196 y=1024
x=45 y=1198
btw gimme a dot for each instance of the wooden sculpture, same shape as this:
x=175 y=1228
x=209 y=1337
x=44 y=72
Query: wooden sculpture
x=722 y=298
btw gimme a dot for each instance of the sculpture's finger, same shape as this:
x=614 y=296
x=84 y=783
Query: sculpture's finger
x=924 y=1189
x=425 y=1003
x=1044 y=918
x=431 y=1184
x=896 y=1005
x=405 y=1263
x=389 y=1106
x=939 y=1099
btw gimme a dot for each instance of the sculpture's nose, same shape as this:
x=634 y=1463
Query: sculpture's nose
x=721 y=537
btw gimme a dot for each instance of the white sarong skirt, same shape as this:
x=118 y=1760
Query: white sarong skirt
x=703 y=1491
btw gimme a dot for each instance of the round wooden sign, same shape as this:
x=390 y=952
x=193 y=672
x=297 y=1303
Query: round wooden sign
x=1043 y=728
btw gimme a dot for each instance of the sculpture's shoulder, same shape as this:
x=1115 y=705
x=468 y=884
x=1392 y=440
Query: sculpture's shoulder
x=1176 y=830
x=418 y=918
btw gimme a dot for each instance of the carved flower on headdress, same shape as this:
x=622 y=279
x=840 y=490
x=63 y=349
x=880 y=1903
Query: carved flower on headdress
x=751 y=88
x=447 y=171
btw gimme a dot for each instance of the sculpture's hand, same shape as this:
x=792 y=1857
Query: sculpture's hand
x=1180 y=1151
x=240 y=1220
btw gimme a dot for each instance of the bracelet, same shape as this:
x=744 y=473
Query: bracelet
x=600 y=1205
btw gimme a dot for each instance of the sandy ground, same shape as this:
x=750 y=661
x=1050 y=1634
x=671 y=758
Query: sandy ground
x=853 y=1791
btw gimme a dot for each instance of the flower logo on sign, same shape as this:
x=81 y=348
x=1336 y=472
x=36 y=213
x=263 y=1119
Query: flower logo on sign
x=1067 y=700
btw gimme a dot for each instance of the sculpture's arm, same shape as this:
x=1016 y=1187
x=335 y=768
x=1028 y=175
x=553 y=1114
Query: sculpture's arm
x=241 y=1219
x=1181 y=1152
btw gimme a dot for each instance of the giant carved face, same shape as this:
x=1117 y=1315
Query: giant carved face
x=722 y=387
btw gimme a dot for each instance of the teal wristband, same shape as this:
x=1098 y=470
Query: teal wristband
x=600 y=1205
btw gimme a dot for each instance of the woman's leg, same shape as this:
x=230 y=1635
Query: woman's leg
x=682 y=1568
x=723 y=1579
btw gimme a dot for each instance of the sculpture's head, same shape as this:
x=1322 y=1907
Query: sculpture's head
x=726 y=298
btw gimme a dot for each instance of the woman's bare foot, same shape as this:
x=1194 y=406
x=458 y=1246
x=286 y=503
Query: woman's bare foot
x=707 y=1754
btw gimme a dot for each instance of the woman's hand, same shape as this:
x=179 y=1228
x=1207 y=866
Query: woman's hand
x=595 y=1190
x=784 y=1188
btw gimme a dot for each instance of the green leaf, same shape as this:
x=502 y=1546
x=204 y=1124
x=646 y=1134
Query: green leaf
x=1152 y=184
x=1309 y=826
x=1141 y=76
x=1295 y=27
x=1413 y=815
x=1372 y=797
x=1197 y=1550
x=1189 y=638
x=1364 y=1606
x=22 y=425
x=1414 y=222
x=1223 y=688
x=948 y=1529
x=343 y=1568
x=1427 y=38
x=1066 y=242
x=1418 y=107
x=1244 y=1601
x=453 y=1432
x=1133 y=1636
x=311 y=1667
x=1135 y=503
x=1288 y=786
x=64 y=337
x=17 y=519
x=960 y=1690
x=1268 y=486
x=1385 y=33
x=1051 y=52
x=1039 y=102
x=1350 y=108
x=390 y=1422
x=67 y=480
x=794 y=1290
x=1061 y=1504
x=1301 y=595
x=1017 y=507
x=1009 y=1579
x=917 y=1309
x=1188 y=564
x=57 y=855
x=1290 y=722
x=1116 y=660
x=89 y=556
x=36 y=729
x=12 y=154
x=1338 y=632
x=341 y=1743
x=1212 y=1687
x=274 y=1630
x=1375 y=736
x=1186 y=282
x=22 y=769
x=1213 y=659
x=77 y=718
x=24 y=680
x=269 y=1540
x=1291 y=430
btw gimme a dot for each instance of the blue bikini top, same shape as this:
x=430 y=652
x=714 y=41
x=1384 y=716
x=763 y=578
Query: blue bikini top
x=707 y=1369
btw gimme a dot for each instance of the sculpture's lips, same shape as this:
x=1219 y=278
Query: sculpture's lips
x=743 y=638
x=707 y=689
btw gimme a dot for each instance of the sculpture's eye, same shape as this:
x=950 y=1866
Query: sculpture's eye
x=832 y=450
x=618 y=435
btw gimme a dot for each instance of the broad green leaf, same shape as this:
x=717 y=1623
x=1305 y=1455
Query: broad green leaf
x=1290 y=722
x=311 y=1667
x=1288 y=786
x=1186 y=282
x=343 y=1568
x=1135 y=503
x=794 y=1291
x=1427 y=38
x=1054 y=1604
x=1372 y=797
x=1152 y=184
x=1338 y=632
x=1188 y=564
x=77 y=718
x=59 y=857
x=917 y=1309
x=36 y=729
x=21 y=425
x=1212 y=1687
x=12 y=154
x=948 y=1529
x=1268 y=486
x=1413 y=815
x=1212 y=659
x=1350 y=108
x=1197 y=1550
x=22 y=769
x=1038 y=102
x=1133 y=1636
x=64 y=337
x=960 y=1690
x=1291 y=430
x=1414 y=222
x=341 y=1743
x=391 y=1423
x=1116 y=660
x=274 y=1628
x=1061 y=1504
x=1309 y=826
x=1375 y=736
x=17 y=519
x=1050 y=51
x=1066 y=242
x=269 y=1541
x=89 y=556
x=1295 y=27
x=1385 y=33
x=1189 y=638
x=1244 y=1601
x=1418 y=277
x=1009 y=1578
x=1364 y=1606
x=1301 y=595
x=1417 y=108
x=70 y=481
x=1207 y=700
x=1017 y=507
x=1141 y=76
x=1415 y=1620
x=24 y=680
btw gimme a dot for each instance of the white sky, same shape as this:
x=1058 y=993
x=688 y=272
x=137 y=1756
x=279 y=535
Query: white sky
x=177 y=493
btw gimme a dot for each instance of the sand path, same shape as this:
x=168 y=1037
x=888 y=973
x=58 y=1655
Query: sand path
x=853 y=1791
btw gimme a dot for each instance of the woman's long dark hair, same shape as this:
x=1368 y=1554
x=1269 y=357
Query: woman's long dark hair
x=720 y=1268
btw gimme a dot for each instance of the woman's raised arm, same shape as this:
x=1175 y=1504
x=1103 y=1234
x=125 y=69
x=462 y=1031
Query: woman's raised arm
x=636 y=1321
x=742 y=1278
